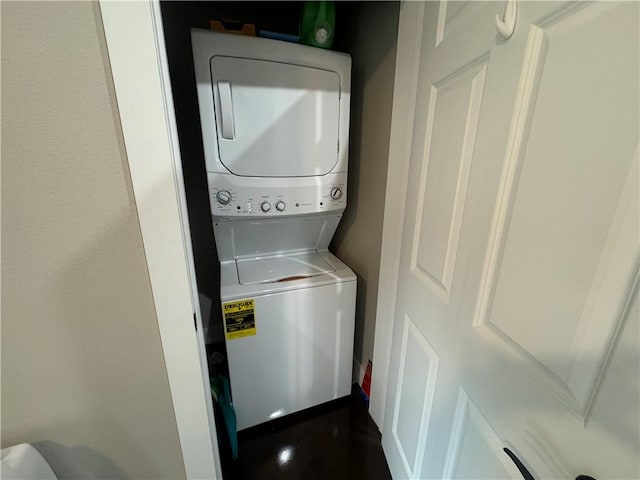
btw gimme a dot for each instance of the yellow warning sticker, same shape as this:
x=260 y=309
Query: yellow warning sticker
x=239 y=318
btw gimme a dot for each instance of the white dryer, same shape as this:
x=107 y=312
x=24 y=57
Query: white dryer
x=275 y=122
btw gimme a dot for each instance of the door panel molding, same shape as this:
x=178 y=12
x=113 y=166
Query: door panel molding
x=523 y=113
x=437 y=273
x=416 y=400
x=612 y=283
x=446 y=17
x=468 y=417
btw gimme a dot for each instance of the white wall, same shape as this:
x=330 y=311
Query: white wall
x=372 y=32
x=83 y=375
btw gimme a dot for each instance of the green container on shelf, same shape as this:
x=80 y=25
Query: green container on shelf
x=318 y=24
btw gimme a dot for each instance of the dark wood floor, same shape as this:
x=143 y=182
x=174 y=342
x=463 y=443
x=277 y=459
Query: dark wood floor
x=334 y=441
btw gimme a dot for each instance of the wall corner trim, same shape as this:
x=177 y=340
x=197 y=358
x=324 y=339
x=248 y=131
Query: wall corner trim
x=135 y=43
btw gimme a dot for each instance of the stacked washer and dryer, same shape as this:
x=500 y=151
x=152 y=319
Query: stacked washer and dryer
x=275 y=124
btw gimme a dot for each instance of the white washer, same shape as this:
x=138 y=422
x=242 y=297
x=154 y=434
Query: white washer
x=275 y=122
x=299 y=352
x=302 y=350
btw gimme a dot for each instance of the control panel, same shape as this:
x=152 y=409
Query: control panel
x=298 y=197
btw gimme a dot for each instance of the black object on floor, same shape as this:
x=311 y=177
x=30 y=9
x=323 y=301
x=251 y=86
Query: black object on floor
x=337 y=440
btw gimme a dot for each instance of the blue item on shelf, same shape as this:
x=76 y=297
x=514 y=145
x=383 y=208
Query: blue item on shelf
x=285 y=37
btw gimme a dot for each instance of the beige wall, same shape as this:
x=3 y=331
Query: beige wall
x=83 y=374
x=372 y=41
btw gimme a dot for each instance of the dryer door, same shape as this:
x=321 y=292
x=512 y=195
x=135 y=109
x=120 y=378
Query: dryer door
x=275 y=119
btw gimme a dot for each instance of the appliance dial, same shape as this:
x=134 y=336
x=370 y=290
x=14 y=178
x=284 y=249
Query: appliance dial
x=265 y=207
x=336 y=193
x=223 y=197
x=280 y=206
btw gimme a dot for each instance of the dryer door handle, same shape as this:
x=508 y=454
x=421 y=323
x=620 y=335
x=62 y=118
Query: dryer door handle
x=226 y=109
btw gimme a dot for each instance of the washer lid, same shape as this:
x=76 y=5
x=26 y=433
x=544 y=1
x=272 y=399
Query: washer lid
x=275 y=119
x=281 y=268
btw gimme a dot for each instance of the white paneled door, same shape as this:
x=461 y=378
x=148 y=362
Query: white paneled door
x=516 y=322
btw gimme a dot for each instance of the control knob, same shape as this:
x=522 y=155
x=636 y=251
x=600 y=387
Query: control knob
x=280 y=206
x=335 y=193
x=223 y=197
x=265 y=207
